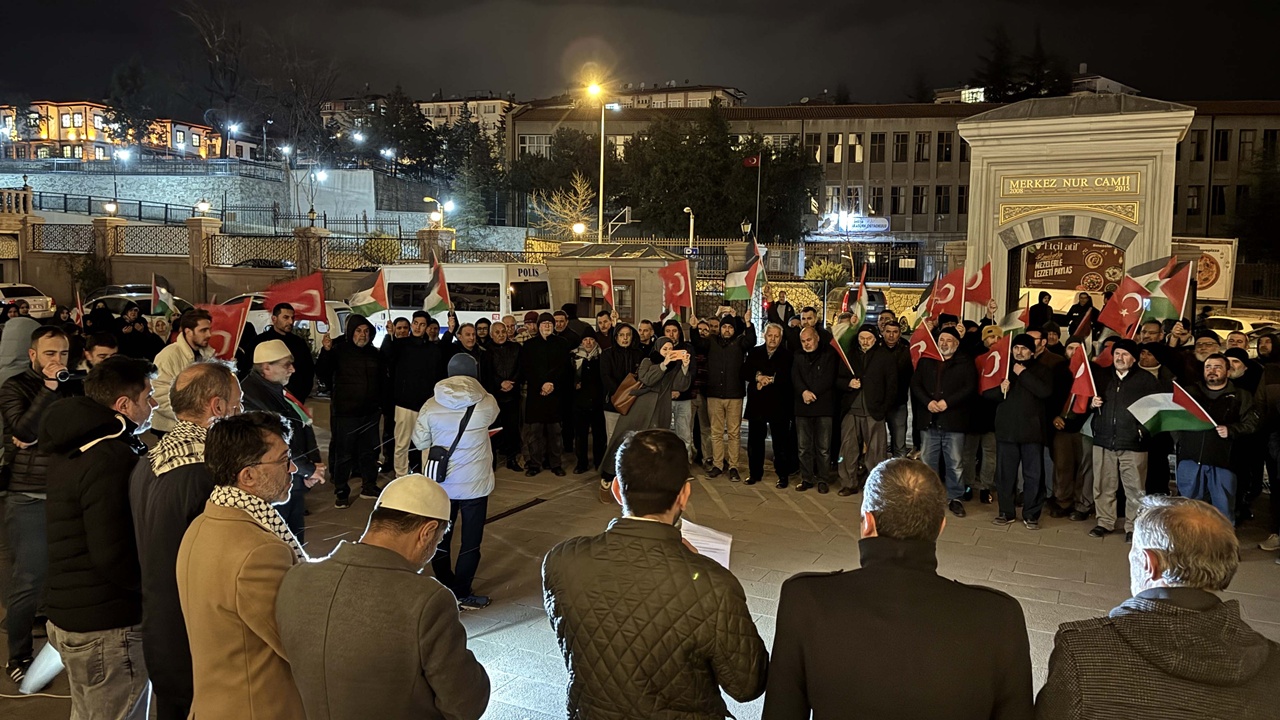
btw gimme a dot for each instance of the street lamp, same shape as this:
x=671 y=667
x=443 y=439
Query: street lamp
x=579 y=228
x=437 y=216
x=746 y=229
x=286 y=150
x=111 y=207
x=690 y=211
x=358 y=137
x=202 y=207
x=595 y=91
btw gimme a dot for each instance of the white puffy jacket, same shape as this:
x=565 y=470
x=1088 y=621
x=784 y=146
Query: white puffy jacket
x=471 y=466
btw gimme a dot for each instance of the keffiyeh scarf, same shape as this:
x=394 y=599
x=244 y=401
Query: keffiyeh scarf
x=184 y=445
x=261 y=511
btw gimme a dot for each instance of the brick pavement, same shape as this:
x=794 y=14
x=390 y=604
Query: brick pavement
x=1057 y=573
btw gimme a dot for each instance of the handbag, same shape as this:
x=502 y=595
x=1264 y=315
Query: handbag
x=437 y=463
x=622 y=398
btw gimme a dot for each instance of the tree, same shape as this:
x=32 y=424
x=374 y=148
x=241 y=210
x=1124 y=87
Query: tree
x=998 y=74
x=227 y=88
x=298 y=87
x=836 y=274
x=1256 y=223
x=1042 y=74
x=131 y=113
x=402 y=128
x=561 y=209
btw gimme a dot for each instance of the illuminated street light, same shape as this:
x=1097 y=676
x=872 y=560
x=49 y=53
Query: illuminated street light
x=436 y=216
x=448 y=206
x=286 y=150
x=233 y=128
x=111 y=207
x=321 y=176
x=358 y=137
x=123 y=155
x=593 y=89
x=579 y=228
x=202 y=207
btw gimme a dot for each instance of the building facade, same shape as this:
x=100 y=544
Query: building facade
x=80 y=130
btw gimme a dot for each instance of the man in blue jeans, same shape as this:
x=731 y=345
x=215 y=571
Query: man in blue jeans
x=946 y=389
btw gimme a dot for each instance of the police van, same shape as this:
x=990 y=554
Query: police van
x=477 y=290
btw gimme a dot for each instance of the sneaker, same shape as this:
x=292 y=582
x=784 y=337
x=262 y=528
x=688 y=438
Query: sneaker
x=1032 y=524
x=473 y=602
x=1099 y=531
x=804 y=485
x=1002 y=520
x=985 y=496
x=1077 y=516
x=606 y=495
x=713 y=472
x=956 y=507
x=17 y=670
x=1271 y=544
x=823 y=488
x=734 y=476
x=782 y=483
x=558 y=471
x=847 y=491
x=531 y=471
x=370 y=491
x=342 y=503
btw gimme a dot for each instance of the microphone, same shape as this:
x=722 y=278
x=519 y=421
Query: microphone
x=64 y=375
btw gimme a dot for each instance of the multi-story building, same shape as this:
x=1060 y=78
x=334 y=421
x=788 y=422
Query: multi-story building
x=489 y=111
x=352 y=112
x=908 y=163
x=80 y=130
x=1082 y=83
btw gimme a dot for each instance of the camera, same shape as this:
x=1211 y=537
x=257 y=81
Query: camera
x=64 y=375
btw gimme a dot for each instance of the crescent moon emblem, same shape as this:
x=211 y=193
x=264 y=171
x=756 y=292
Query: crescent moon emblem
x=918 y=348
x=604 y=287
x=680 y=277
x=977 y=280
x=221 y=340
x=314 y=307
x=943 y=299
x=995 y=366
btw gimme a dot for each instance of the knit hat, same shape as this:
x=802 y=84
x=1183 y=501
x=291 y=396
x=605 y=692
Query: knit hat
x=1127 y=345
x=945 y=318
x=463 y=364
x=545 y=317
x=991 y=332
x=1025 y=341
x=949 y=331
x=1074 y=339
x=1237 y=354
x=531 y=317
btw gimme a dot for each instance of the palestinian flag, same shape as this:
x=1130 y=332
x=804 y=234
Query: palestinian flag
x=372 y=297
x=1017 y=320
x=860 y=305
x=161 y=296
x=437 y=299
x=740 y=284
x=921 y=309
x=1169 y=295
x=1171 y=412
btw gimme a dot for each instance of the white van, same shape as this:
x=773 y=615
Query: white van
x=477 y=290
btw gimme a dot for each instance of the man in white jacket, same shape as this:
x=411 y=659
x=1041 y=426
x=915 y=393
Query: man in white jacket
x=191 y=346
x=469 y=479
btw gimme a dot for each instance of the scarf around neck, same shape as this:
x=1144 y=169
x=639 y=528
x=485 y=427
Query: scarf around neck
x=262 y=513
x=183 y=445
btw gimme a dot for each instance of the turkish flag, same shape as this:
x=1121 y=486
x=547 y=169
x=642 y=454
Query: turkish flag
x=306 y=295
x=601 y=279
x=923 y=345
x=993 y=366
x=1124 y=311
x=1082 y=385
x=751 y=161
x=228 y=325
x=948 y=294
x=677 y=285
x=978 y=289
x=1104 y=358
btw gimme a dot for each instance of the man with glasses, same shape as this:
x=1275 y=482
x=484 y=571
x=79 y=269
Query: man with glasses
x=267 y=388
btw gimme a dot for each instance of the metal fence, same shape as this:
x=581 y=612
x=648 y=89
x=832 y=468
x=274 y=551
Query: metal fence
x=263 y=219
x=152 y=240
x=496 y=256
x=139 y=210
x=891 y=263
x=261 y=251
x=62 y=238
x=149 y=166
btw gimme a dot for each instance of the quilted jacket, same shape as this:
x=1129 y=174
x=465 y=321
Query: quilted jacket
x=649 y=629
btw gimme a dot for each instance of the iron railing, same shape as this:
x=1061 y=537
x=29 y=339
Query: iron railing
x=47 y=237
x=152 y=240
x=139 y=210
x=262 y=251
x=495 y=256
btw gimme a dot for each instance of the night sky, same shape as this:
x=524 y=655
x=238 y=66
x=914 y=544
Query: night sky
x=777 y=52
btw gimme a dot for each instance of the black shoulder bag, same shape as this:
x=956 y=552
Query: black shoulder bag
x=438 y=456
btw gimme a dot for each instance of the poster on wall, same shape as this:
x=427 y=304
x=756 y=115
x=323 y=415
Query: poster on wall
x=1073 y=264
x=1215 y=265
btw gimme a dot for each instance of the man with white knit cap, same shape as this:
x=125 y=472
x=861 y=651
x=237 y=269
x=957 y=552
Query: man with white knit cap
x=398 y=626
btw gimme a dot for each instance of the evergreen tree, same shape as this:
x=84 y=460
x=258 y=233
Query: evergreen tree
x=1259 y=216
x=998 y=74
x=1043 y=75
x=131 y=114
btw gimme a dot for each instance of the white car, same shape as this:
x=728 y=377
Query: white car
x=260 y=318
x=40 y=305
x=1226 y=324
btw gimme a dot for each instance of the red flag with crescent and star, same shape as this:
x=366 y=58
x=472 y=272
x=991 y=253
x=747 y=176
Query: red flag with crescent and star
x=948 y=294
x=993 y=366
x=602 y=280
x=923 y=345
x=677 y=288
x=306 y=295
x=751 y=161
x=1124 y=311
x=228 y=325
x=978 y=289
x=1083 y=388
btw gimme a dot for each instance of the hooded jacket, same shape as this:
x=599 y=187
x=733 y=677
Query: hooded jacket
x=355 y=374
x=724 y=361
x=471 y=465
x=94 y=577
x=1172 y=653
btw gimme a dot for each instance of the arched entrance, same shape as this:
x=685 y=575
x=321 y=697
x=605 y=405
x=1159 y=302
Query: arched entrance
x=1065 y=252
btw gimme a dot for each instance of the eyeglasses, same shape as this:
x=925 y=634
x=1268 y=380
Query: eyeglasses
x=285 y=459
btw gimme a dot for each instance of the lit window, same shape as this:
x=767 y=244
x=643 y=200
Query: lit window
x=42 y=153
x=539 y=145
x=855 y=147
x=66 y=120
x=97 y=122
x=657 y=103
x=180 y=137
x=66 y=151
x=98 y=153
x=833 y=199
x=78 y=152
x=674 y=103
x=835 y=147
x=195 y=139
x=973 y=95
x=77 y=120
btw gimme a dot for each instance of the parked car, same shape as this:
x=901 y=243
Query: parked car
x=41 y=305
x=843 y=300
x=260 y=317
x=1225 y=324
x=117 y=302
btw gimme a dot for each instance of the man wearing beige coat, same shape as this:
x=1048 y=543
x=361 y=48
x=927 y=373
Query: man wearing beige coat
x=232 y=560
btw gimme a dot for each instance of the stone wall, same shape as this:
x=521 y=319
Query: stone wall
x=180 y=190
x=400 y=195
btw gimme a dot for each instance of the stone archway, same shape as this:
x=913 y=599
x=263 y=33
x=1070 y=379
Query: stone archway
x=1058 y=224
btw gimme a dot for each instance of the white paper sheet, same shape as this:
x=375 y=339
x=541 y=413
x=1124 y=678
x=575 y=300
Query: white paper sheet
x=711 y=543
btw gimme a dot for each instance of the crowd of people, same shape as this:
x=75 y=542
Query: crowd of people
x=184 y=564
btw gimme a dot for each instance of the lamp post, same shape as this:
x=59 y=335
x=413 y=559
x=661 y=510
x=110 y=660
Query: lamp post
x=746 y=229
x=436 y=216
x=202 y=207
x=578 y=229
x=594 y=90
x=111 y=207
x=690 y=211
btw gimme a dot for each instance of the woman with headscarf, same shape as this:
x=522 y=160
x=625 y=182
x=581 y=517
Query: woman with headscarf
x=61 y=316
x=142 y=343
x=100 y=320
x=664 y=371
x=615 y=364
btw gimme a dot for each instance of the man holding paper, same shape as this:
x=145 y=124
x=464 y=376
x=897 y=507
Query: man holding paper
x=681 y=617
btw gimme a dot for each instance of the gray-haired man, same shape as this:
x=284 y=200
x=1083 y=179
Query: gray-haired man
x=1174 y=650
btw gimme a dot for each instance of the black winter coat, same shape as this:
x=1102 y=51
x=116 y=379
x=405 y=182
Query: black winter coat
x=777 y=399
x=879 y=380
x=615 y=364
x=1233 y=408
x=503 y=364
x=587 y=393
x=259 y=394
x=901 y=356
x=94 y=580
x=955 y=381
x=724 y=363
x=682 y=619
x=24 y=400
x=966 y=645
x=1021 y=415
x=414 y=365
x=545 y=360
x=815 y=372
x=354 y=374
x=1114 y=427
x=304 y=366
